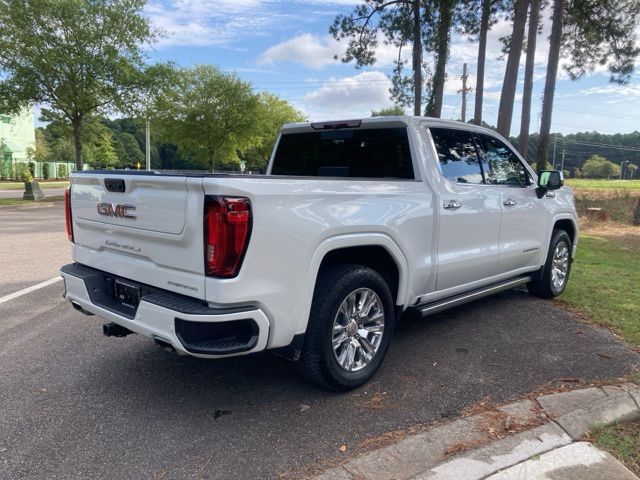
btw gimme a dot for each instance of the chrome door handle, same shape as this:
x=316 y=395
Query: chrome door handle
x=509 y=203
x=452 y=204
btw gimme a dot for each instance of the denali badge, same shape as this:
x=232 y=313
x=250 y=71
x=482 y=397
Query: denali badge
x=116 y=210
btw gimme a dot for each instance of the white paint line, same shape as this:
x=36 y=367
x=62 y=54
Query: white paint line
x=30 y=289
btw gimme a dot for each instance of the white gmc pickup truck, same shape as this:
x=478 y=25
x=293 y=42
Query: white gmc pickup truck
x=355 y=223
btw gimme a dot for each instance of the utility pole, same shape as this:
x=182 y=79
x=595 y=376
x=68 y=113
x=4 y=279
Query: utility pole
x=147 y=146
x=562 y=163
x=464 y=91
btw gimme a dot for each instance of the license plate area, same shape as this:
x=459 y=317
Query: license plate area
x=126 y=293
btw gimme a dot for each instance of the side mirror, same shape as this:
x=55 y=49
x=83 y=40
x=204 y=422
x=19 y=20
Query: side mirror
x=549 y=180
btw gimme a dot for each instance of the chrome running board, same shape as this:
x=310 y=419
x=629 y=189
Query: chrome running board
x=450 y=302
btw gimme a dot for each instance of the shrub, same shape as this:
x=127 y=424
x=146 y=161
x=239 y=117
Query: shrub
x=599 y=167
x=45 y=171
x=21 y=172
x=62 y=171
x=32 y=169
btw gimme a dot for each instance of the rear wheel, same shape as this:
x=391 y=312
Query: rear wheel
x=350 y=327
x=552 y=279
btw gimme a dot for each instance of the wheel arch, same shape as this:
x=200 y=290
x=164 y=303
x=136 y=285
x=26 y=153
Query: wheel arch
x=566 y=222
x=568 y=226
x=377 y=251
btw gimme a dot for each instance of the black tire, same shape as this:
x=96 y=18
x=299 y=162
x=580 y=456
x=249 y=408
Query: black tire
x=318 y=362
x=542 y=284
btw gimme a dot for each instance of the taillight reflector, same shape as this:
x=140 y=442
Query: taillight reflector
x=67 y=213
x=227 y=227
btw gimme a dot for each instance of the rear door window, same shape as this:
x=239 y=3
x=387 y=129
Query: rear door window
x=365 y=153
x=457 y=155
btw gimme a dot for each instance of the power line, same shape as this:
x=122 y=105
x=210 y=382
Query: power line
x=604 y=145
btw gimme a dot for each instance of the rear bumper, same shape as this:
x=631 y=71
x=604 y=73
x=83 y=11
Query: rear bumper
x=188 y=325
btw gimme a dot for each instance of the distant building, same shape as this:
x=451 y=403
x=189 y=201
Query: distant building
x=17 y=133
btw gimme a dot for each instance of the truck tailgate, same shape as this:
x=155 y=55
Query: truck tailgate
x=137 y=226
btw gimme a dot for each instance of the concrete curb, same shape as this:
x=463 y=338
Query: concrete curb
x=473 y=448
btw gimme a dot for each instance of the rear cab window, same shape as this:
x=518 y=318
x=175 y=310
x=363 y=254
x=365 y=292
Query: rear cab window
x=360 y=152
x=457 y=156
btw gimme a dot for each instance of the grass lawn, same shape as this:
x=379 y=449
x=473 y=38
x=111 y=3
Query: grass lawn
x=603 y=184
x=623 y=442
x=604 y=281
x=42 y=183
x=19 y=201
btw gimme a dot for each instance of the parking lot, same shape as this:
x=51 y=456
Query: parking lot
x=76 y=404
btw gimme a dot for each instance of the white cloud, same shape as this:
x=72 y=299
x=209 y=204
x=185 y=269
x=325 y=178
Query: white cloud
x=613 y=90
x=309 y=50
x=206 y=22
x=316 y=52
x=353 y=96
x=220 y=22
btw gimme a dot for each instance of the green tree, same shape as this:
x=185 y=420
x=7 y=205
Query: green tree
x=401 y=23
x=210 y=114
x=129 y=152
x=599 y=167
x=62 y=150
x=77 y=57
x=389 y=111
x=527 y=89
x=274 y=112
x=40 y=152
x=589 y=33
x=104 y=154
x=475 y=18
x=509 y=83
x=439 y=43
x=631 y=168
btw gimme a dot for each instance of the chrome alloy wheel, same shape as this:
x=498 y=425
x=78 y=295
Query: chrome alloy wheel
x=560 y=265
x=357 y=329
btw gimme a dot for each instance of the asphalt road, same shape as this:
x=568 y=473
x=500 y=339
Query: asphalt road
x=48 y=192
x=77 y=405
x=33 y=245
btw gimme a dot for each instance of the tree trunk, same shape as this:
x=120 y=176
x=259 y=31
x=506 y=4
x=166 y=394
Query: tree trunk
x=508 y=95
x=525 y=121
x=417 y=59
x=443 y=36
x=550 y=82
x=77 y=139
x=482 y=53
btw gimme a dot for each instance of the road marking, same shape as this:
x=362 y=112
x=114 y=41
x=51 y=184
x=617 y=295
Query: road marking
x=30 y=289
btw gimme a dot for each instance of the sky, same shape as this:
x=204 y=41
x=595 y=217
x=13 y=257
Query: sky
x=284 y=47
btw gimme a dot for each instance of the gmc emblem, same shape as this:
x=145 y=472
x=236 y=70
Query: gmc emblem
x=116 y=210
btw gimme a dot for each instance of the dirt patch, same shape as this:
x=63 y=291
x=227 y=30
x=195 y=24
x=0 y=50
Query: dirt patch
x=618 y=204
x=624 y=235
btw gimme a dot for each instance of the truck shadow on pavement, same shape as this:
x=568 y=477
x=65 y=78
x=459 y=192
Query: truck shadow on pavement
x=496 y=347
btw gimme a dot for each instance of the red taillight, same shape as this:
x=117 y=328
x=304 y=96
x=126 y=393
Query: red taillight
x=67 y=213
x=227 y=226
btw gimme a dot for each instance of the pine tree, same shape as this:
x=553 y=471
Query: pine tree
x=589 y=33
x=507 y=97
x=532 y=34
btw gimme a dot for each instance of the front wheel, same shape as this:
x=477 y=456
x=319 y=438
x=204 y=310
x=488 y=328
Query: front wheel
x=554 y=275
x=350 y=327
